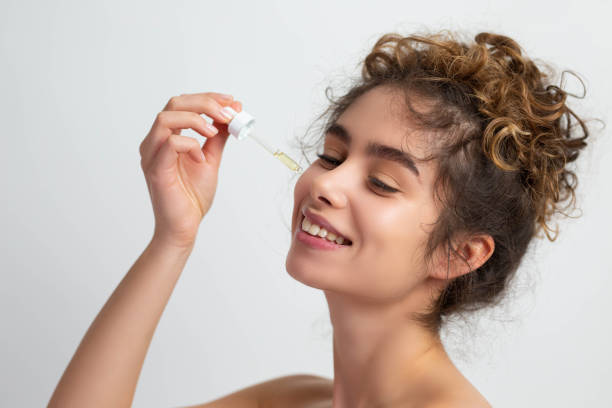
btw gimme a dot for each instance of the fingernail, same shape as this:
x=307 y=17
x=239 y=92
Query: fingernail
x=228 y=113
x=213 y=129
x=226 y=97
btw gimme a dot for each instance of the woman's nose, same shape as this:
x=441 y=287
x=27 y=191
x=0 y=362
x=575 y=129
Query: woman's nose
x=330 y=188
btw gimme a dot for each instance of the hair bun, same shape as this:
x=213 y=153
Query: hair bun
x=530 y=129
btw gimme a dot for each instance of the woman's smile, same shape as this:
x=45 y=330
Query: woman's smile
x=314 y=231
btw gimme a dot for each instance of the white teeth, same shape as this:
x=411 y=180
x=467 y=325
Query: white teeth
x=306 y=224
x=314 y=229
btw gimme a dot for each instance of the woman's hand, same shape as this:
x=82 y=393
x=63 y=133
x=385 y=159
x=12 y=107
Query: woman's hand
x=181 y=177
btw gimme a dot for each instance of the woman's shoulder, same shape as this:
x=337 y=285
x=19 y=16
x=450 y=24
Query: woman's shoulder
x=469 y=400
x=297 y=390
x=445 y=385
x=456 y=391
x=311 y=391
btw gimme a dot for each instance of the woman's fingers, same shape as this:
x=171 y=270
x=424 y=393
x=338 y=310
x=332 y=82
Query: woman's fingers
x=166 y=124
x=167 y=155
x=213 y=147
x=182 y=112
x=209 y=103
x=237 y=106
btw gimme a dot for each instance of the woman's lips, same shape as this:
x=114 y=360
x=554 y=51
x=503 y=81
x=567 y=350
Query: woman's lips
x=323 y=223
x=315 y=241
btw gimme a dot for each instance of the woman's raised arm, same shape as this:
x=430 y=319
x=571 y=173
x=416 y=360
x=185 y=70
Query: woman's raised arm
x=105 y=368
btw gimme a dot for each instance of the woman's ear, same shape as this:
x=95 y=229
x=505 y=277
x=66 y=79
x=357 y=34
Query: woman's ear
x=471 y=253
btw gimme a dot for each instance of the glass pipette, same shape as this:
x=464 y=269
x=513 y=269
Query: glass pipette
x=241 y=126
x=286 y=160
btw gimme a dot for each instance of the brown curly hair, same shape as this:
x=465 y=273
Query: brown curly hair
x=505 y=137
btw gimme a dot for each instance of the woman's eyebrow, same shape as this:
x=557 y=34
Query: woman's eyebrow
x=375 y=149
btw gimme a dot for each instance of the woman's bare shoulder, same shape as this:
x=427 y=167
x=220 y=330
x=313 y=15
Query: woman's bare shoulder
x=299 y=391
x=290 y=390
x=449 y=387
x=472 y=401
x=459 y=393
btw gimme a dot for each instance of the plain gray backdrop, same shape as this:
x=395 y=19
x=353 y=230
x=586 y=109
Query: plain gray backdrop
x=81 y=83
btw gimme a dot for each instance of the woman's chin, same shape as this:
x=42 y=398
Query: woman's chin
x=306 y=274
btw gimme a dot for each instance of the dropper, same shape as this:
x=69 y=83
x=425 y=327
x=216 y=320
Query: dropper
x=241 y=126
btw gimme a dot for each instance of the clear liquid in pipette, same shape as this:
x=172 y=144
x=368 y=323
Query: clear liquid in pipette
x=287 y=161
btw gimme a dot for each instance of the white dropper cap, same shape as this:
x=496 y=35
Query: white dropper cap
x=241 y=124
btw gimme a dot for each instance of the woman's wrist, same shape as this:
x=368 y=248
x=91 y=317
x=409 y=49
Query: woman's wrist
x=166 y=243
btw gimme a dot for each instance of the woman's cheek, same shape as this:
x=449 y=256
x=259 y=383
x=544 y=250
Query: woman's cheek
x=302 y=186
x=299 y=194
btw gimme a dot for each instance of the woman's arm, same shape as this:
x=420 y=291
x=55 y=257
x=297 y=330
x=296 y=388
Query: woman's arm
x=182 y=179
x=104 y=370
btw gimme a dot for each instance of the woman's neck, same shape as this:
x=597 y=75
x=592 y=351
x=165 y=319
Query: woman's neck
x=380 y=353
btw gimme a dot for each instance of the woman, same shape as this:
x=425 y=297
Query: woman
x=438 y=168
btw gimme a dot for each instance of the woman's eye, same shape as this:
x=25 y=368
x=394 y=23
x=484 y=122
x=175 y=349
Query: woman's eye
x=376 y=182
x=373 y=180
x=328 y=159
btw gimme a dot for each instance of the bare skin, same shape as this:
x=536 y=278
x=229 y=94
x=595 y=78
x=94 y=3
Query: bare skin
x=310 y=391
x=381 y=357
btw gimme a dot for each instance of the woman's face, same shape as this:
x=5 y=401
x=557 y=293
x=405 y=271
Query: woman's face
x=388 y=229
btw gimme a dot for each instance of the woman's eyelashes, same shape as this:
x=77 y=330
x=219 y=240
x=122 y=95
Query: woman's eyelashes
x=375 y=182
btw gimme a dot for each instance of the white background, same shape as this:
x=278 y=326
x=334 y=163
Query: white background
x=81 y=83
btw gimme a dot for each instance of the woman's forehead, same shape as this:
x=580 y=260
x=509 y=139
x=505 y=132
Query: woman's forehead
x=379 y=103
x=380 y=115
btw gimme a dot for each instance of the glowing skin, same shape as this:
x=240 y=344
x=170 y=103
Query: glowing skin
x=372 y=286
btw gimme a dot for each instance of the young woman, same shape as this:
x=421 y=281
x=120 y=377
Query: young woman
x=435 y=172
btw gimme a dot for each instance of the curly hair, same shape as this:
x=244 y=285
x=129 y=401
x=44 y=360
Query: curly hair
x=505 y=137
